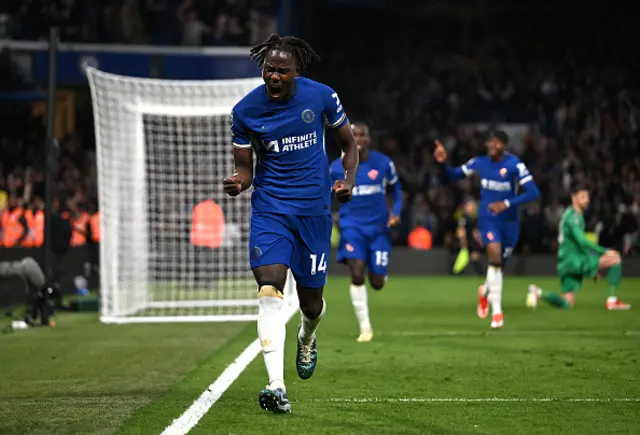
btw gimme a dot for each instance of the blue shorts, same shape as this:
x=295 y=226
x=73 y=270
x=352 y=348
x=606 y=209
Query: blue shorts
x=374 y=250
x=505 y=233
x=302 y=243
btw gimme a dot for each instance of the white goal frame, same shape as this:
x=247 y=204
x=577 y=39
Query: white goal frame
x=112 y=310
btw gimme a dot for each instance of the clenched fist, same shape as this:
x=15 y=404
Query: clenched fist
x=232 y=185
x=342 y=191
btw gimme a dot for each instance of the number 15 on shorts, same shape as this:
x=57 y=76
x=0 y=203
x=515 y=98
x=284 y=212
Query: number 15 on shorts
x=318 y=266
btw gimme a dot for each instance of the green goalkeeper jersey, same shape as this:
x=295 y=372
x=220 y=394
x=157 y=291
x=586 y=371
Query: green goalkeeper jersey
x=572 y=241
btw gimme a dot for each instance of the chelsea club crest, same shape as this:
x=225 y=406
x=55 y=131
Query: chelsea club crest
x=308 y=116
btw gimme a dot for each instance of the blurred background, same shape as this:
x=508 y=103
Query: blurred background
x=560 y=83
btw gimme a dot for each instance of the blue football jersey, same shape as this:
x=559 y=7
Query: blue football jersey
x=292 y=170
x=499 y=181
x=368 y=209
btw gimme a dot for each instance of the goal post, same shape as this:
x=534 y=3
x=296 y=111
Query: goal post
x=163 y=148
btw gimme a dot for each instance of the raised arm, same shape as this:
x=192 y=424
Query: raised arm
x=451 y=174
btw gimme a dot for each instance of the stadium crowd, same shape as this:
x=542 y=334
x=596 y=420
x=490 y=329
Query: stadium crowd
x=572 y=95
x=575 y=105
x=163 y=22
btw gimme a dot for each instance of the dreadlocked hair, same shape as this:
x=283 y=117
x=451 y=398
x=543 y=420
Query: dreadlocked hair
x=299 y=48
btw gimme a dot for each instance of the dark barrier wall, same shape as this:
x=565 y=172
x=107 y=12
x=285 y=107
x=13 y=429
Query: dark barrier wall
x=175 y=63
x=404 y=261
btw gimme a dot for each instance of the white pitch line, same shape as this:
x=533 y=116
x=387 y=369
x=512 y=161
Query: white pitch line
x=190 y=418
x=469 y=333
x=485 y=400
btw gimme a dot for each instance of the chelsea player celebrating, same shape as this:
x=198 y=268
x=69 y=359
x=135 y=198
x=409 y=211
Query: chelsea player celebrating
x=500 y=173
x=283 y=123
x=364 y=224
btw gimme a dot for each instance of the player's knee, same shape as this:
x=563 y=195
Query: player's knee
x=357 y=279
x=310 y=300
x=272 y=274
x=494 y=258
x=377 y=281
x=494 y=253
x=610 y=260
x=311 y=308
x=357 y=272
x=616 y=258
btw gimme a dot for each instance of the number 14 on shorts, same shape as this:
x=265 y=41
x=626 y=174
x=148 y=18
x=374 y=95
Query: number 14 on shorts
x=318 y=266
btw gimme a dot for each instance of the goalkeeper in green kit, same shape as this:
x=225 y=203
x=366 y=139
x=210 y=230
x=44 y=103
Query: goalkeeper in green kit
x=579 y=258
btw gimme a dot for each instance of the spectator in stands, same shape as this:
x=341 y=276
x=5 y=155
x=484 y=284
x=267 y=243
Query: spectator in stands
x=166 y=22
x=15 y=229
x=131 y=24
x=193 y=29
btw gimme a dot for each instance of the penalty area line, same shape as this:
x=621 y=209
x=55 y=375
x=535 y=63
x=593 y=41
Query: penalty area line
x=190 y=418
x=401 y=400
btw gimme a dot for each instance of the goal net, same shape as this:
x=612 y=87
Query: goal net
x=174 y=247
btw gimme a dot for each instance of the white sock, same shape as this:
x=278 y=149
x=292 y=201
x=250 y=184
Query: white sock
x=309 y=326
x=494 y=284
x=272 y=333
x=360 y=305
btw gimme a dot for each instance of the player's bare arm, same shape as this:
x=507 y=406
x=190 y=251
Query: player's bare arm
x=396 y=207
x=243 y=175
x=342 y=188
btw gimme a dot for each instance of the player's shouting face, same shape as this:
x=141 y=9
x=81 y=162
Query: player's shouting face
x=278 y=73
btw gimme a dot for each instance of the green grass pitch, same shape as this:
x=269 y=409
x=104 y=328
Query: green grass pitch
x=433 y=368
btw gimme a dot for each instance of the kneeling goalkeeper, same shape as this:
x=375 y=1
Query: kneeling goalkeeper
x=579 y=258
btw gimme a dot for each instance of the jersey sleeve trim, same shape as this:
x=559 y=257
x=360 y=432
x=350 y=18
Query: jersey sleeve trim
x=526 y=179
x=339 y=122
x=466 y=170
x=241 y=145
x=392 y=172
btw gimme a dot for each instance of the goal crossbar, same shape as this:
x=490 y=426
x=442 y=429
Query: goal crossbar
x=191 y=111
